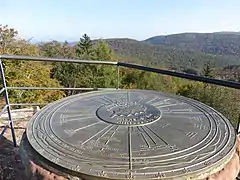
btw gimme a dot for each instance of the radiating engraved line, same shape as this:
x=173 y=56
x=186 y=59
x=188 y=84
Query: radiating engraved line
x=114 y=132
x=130 y=147
x=123 y=97
x=157 y=135
x=143 y=137
x=101 y=103
x=148 y=135
x=128 y=96
x=152 y=100
x=87 y=126
x=105 y=133
x=107 y=99
x=63 y=121
x=73 y=112
x=140 y=100
x=160 y=102
x=110 y=106
x=167 y=105
x=97 y=134
x=76 y=115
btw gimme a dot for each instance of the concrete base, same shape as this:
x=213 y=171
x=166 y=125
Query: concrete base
x=38 y=168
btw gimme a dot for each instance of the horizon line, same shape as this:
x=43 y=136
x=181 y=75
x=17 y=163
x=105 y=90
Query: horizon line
x=36 y=40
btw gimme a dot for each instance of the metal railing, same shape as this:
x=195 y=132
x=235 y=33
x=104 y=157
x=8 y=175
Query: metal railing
x=5 y=88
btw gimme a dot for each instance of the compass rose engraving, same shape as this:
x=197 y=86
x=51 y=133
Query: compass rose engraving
x=130 y=113
x=128 y=109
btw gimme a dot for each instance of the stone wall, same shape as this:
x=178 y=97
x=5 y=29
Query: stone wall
x=18 y=114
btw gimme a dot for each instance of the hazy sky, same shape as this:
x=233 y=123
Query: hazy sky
x=139 y=19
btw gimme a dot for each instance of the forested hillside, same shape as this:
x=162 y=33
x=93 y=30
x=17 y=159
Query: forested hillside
x=222 y=43
x=167 y=56
x=29 y=73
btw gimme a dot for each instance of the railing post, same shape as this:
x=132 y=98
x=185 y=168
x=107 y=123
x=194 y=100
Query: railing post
x=118 y=81
x=7 y=104
x=238 y=125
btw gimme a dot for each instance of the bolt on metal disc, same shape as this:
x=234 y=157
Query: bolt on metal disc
x=132 y=134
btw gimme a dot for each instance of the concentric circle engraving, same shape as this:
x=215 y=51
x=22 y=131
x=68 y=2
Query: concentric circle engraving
x=132 y=134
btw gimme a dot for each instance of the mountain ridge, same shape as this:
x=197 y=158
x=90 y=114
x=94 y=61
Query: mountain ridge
x=184 y=50
x=219 y=43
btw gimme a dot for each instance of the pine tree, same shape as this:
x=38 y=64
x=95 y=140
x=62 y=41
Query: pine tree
x=84 y=48
x=207 y=70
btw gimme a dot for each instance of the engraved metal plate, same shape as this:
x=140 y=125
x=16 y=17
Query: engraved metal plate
x=132 y=134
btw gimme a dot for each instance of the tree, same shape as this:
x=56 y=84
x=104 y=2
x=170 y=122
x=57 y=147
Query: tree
x=31 y=74
x=84 y=48
x=207 y=70
x=55 y=49
x=86 y=75
x=69 y=75
x=103 y=51
x=7 y=36
x=221 y=98
x=26 y=73
x=105 y=76
x=50 y=49
x=136 y=79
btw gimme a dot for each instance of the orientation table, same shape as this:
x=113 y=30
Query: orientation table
x=132 y=134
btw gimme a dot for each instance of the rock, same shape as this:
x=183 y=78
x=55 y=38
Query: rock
x=231 y=170
x=36 y=109
x=20 y=113
x=37 y=168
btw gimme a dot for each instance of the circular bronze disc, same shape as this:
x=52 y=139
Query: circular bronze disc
x=138 y=134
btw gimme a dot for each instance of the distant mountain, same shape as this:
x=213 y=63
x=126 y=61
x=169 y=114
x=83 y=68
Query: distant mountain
x=221 y=43
x=186 y=50
x=228 y=32
x=168 y=56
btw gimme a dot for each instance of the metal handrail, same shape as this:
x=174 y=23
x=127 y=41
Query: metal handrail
x=129 y=65
x=219 y=82
x=55 y=88
x=224 y=83
x=31 y=58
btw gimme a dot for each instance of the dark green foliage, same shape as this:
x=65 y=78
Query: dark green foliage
x=85 y=75
x=212 y=43
x=190 y=71
x=84 y=48
x=164 y=56
x=207 y=70
x=225 y=100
